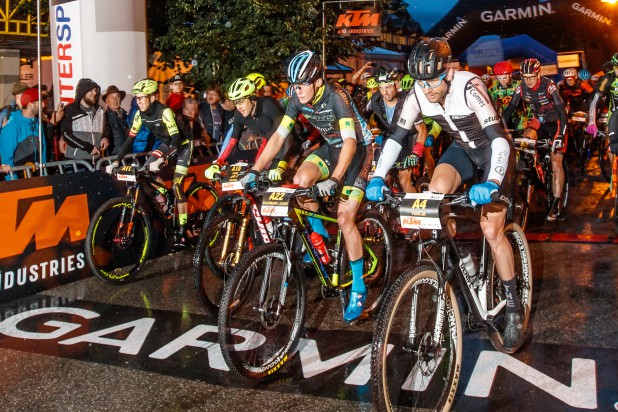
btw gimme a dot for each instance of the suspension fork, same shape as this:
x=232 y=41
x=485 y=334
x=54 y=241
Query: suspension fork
x=127 y=228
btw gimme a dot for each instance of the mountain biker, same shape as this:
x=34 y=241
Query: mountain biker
x=260 y=114
x=459 y=102
x=342 y=163
x=501 y=94
x=607 y=86
x=541 y=96
x=161 y=121
x=385 y=109
x=574 y=92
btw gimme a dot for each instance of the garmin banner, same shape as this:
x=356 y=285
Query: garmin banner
x=359 y=23
x=104 y=40
x=559 y=24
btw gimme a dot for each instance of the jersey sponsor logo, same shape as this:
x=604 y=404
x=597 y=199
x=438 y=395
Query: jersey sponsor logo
x=491 y=119
x=458 y=116
x=32 y=213
x=520 y=13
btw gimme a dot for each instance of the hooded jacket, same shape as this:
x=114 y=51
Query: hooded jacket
x=19 y=141
x=83 y=129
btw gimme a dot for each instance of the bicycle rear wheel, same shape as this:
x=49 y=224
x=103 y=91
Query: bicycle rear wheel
x=409 y=368
x=200 y=198
x=213 y=260
x=262 y=313
x=496 y=294
x=377 y=258
x=520 y=202
x=604 y=162
x=116 y=247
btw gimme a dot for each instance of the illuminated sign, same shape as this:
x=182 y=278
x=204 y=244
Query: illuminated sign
x=365 y=22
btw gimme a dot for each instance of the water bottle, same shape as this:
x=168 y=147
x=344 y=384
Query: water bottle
x=320 y=246
x=469 y=265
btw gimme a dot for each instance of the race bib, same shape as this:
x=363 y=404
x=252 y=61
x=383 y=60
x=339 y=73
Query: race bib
x=232 y=180
x=421 y=210
x=276 y=201
x=126 y=174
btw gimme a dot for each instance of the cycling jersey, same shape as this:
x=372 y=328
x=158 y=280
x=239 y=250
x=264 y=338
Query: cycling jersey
x=544 y=102
x=467 y=116
x=607 y=86
x=501 y=96
x=576 y=96
x=160 y=120
x=332 y=113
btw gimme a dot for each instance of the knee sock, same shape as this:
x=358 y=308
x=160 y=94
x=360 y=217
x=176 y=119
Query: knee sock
x=513 y=302
x=358 y=285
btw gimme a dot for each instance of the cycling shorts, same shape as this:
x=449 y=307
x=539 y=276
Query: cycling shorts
x=326 y=158
x=459 y=159
x=549 y=131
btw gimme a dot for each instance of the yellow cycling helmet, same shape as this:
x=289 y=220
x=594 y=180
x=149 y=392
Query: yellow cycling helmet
x=371 y=83
x=241 y=88
x=145 y=86
x=258 y=79
x=407 y=82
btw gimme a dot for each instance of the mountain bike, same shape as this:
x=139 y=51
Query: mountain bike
x=417 y=344
x=534 y=170
x=581 y=140
x=263 y=306
x=120 y=234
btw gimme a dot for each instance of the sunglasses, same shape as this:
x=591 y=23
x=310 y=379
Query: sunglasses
x=433 y=83
x=238 y=102
x=529 y=77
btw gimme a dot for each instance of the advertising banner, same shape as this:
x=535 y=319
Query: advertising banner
x=359 y=23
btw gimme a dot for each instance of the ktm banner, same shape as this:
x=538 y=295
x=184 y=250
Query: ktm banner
x=364 y=22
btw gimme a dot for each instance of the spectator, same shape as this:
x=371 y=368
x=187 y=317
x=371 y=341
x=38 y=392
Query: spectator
x=359 y=80
x=84 y=127
x=214 y=116
x=116 y=117
x=191 y=125
x=51 y=125
x=5 y=112
x=177 y=96
x=19 y=142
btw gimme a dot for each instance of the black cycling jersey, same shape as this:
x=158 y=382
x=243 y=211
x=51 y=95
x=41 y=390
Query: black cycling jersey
x=332 y=113
x=576 y=96
x=607 y=86
x=543 y=100
x=468 y=116
x=161 y=122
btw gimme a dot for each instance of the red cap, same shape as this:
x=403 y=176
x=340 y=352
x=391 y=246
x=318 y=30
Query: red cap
x=29 y=96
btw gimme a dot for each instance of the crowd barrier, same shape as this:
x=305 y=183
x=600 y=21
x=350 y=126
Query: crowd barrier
x=45 y=219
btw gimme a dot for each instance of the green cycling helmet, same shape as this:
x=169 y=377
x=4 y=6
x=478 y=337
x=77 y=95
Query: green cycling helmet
x=615 y=59
x=241 y=88
x=145 y=86
x=407 y=82
x=371 y=83
x=258 y=79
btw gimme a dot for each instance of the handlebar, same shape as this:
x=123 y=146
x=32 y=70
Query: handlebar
x=455 y=199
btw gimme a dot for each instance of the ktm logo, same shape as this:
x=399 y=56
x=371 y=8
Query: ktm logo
x=356 y=18
x=32 y=213
x=411 y=221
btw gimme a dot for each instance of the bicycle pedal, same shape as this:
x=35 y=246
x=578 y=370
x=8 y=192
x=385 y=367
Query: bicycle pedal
x=329 y=293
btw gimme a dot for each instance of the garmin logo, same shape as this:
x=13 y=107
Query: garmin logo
x=592 y=14
x=490 y=16
x=460 y=23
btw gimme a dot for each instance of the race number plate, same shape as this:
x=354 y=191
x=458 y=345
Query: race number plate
x=421 y=210
x=276 y=201
x=232 y=180
x=126 y=174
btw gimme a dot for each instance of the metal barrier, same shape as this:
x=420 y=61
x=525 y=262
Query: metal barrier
x=61 y=165
x=26 y=171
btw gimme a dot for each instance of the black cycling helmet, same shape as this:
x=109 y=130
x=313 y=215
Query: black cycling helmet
x=429 y=59
x=530 y=66
x=305 y=67
x=385 y=75
x=608 y=67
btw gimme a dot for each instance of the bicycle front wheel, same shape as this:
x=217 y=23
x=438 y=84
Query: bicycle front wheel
x=412 y=368
x=496 y=298
x=262 y=313
x=117 y=244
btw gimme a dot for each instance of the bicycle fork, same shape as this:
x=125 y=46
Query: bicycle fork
x=124 y=231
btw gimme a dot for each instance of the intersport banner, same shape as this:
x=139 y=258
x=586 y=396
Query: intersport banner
x=561 y=25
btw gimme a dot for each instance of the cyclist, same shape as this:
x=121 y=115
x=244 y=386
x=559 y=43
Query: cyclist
x=501 y=94
x=385 y=109
x=487 y=81
x=459 y=102
x=260 y=114
x=574 y=92
x=406 y=82
x=607 y=86
x=260 y=82
x=161 y=122
x=541 y=96
x=342 y=163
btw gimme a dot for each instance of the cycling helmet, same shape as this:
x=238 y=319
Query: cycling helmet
x=583 y=74
x=530 y=66
x=407 y=82
x=384 y=75
x=241 y=88
x=258 y=79
x=502 y=68
x=429 y=59
x=371 y=83
x=486 y=77
x=615 y=59
x=305 y=67
x=145 y=86
x=569 y=73
x=594 y=78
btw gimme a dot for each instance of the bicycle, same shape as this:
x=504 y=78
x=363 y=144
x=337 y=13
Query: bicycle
x=119 y=238
x=263 y=306
x=533 y=169
x=417 y=344
x=614 y=191
x=581 y=140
